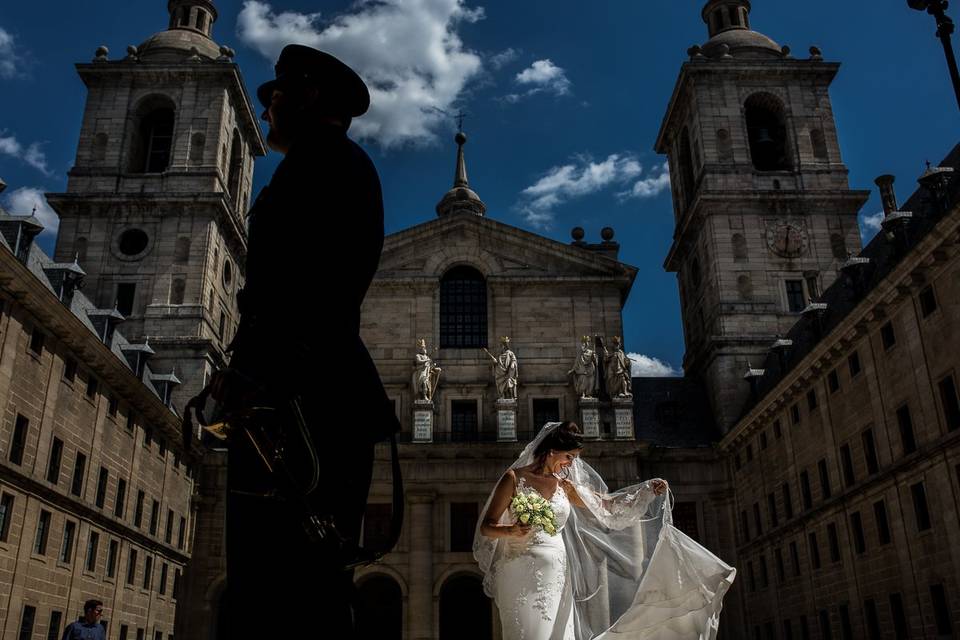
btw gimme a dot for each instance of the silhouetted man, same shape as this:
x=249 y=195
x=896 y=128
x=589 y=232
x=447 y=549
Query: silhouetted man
x=315 y=236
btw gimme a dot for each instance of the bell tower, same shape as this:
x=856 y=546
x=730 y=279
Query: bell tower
x=155 y=202
x=763 y=210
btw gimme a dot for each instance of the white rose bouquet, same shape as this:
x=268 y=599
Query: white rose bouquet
x=533 y=509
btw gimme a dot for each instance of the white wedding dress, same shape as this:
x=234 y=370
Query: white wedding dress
x=533 y=590
x=616 y=570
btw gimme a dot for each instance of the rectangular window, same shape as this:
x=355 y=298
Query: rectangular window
x=131 y=423
x=941 y=610
x=825 y=492
x=685 y=518
x=887 y=336
x=833 y=381
x=826 y=633
x=6 y=516
x=26 y=622
x=463 y=421
x=804 y=629
x=66 y=549
x=764 y=576
x=112 y=552
x=751 y=578
x=856 y=526
x=69 y=369
x=36 y=341
x=175 y=589
x=772 y=508
x=846 y=461
x=749 y=453
x=763 y=440
x=113 y=406
x=745 y=526
x=899 y=616
x=814 y=550
x=545 y=410
x=795 y=559
x=93 y=543
x=778 y=565
x=853 y=363
x=147 y=571
x=162 y=587
x=795 y=298
x=950 y=403
x=873 y=620
x=756 y=518
x=463 y=523
x=138 y=511
x=76 y=487
x=787 y=629
x=43 y=531
x=907 y=438
x=140 y=633
x=777 y=429
x=846 y=629
x=53 y=629
x=147 y=437
x=920 y=509
x=833 y=541
x=53 y=464
x=795 y=414
x=737 y=464
x=102 y=480
x=870 y=451
x=124 y=630
x=883 y=526
x=126 y=294
x=805 y=490
x=812 y=399
x=132 y=566
x=182 y=532
x=118 y=507
x=154 y=517
x=168 y=533
x=376 y=524
x=928 y=301
x=19 y=440
x=787 y=502
x=91 y=387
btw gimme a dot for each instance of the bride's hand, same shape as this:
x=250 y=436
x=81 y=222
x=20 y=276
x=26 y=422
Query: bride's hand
x=659 y=486
x=518 y=530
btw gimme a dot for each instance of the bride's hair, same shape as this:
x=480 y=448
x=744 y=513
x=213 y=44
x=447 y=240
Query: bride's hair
x=566 y=437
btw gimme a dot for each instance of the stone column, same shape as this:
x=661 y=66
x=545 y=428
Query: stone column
x=420 y=527
x=590 y=418
x=623 y=414
x=506 y=420
x=423 y=421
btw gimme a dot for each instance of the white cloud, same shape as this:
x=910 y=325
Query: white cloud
x=28 y=200
x=8 y=60
x=541 y=76
x=32 y=154
x=503 y=58
x=569 y=181
x=870 y=225
x=652 y=185
x=648 y=367
x=408 y=52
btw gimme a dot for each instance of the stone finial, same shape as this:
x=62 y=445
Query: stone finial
x=695 y=52
x=724 y=50
x=101 y=54
x=607 y=234
x=888 y=197
x=816 y=53
x=785 y=50
x=577 y=233
x=226 y=54
x=133 y=54
x=194 y=55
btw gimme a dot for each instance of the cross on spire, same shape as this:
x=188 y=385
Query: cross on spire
x=460 y=117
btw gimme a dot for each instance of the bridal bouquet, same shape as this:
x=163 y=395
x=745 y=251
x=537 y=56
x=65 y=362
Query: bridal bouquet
x=532 y=509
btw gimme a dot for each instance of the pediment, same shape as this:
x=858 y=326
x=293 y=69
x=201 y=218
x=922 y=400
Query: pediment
x=496 y=249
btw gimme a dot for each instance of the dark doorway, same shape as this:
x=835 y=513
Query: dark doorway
x=380 y=610
x=464 y=610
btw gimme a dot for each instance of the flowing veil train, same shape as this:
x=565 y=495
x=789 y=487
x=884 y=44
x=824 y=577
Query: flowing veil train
x=634 y=575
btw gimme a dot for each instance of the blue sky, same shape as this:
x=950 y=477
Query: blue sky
x=563 y=104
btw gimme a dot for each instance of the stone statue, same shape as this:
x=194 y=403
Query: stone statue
x=584 y=370
x=505 y=370
x=426 y=375
x=617 y=368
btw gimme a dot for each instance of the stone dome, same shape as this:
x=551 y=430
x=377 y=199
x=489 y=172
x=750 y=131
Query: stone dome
x=743 y=43
x=176 y=45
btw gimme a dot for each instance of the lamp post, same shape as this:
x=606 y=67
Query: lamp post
x=938 y=8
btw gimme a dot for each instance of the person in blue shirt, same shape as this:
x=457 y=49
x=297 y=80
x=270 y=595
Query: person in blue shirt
x=88 y=627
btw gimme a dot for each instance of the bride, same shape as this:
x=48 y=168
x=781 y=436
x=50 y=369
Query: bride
x=609 y=565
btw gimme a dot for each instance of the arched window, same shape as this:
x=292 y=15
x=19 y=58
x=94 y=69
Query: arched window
x=177 y=290
x=201 y=21
x=463 y=309
x=464 y=611
x=686 y=166
x=739 y=248
x=181 y=253
x=184 y=16
x=236 y=168
x=724 y=146
x=381 y=609
x=734 y=14
x=100 y=147
x=819 y=144
x=197 y=142
x=767 y=131
x=153 y=141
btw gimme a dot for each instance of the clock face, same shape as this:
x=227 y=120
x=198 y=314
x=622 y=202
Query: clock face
x=787 y=240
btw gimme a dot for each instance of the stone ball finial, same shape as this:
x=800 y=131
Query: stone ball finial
x=226 y=54
x=785 y=50
x=607 y=234
x=101 y=54
x=577 y=233
x=460 y=138
x=724 y=50
x=816 y=53
x=695 y=52
x=133 y=53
